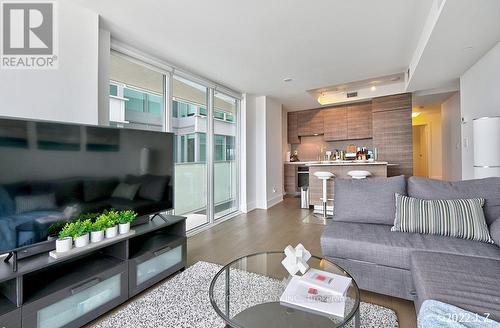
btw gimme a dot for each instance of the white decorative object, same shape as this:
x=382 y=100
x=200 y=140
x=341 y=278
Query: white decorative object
x=296 y=259
x=82 y=241
x=112 y=232
x=96 y=236
x=124 y=228
x=359 y=174
x=486 y=145
x=64 y=244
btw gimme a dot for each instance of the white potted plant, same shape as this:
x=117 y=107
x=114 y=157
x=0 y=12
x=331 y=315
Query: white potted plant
x=111 y=219
x=81 y=233
x=97 y=231
x=124 y=221
x=65 y=242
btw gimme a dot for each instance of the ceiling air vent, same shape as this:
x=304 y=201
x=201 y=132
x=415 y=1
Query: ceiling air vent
x=352 y=94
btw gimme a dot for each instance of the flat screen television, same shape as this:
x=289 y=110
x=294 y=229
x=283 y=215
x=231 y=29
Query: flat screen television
x=52 y=172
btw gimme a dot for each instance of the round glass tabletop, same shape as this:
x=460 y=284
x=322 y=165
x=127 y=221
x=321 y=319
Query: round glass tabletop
x=246 y=293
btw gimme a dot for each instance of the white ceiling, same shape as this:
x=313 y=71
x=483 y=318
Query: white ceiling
x=251 y=46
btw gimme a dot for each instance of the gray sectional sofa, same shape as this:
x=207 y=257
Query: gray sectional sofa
x=416 y=267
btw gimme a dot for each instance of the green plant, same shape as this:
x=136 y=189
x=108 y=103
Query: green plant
x=88 y=216
x=99 y=224
x=56 y=228
x=76 y=229
x=114 y=216
x=126 y=216
x=105 y=220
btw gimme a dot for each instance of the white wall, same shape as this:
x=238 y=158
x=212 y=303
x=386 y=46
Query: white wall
x=68 y=93
x=479 y=97
x=274 y=152
x=262 y=172
x=103 y=72
x=451 y=132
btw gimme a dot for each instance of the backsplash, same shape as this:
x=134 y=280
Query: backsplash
x=309 y=147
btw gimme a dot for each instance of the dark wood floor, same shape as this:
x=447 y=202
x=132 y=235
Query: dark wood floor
x=273 y=230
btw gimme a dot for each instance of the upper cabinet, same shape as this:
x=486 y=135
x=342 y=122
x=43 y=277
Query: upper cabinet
x=310 y=122
x=293 y=136
x=347 y=122
x=359 y=121
x=335 y=123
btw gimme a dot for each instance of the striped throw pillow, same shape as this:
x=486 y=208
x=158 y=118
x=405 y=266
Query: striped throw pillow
x=460 y=218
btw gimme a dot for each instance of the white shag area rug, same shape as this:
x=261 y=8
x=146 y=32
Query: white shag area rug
x=183 y=301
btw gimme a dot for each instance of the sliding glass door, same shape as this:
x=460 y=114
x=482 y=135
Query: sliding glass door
x=189 y=103
x=204 y=122
x=225 y=155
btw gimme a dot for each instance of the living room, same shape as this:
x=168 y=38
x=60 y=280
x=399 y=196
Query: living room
x=185 y=164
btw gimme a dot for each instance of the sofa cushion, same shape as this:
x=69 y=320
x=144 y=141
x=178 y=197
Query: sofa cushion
x=471 y=283
x=495 y=232
x=152 y=186
x=460 y=218
x=95 y=189
x=126 y=191
x=488 y=188
x=375 y=243
x=367 y=200
x=33 y=203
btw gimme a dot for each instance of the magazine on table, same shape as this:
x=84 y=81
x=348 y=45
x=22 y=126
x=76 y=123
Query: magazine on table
x=322 y=299
x=334 y=283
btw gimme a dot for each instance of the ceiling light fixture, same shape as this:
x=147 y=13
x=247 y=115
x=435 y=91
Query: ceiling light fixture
x=373 y=88
x=288 y=79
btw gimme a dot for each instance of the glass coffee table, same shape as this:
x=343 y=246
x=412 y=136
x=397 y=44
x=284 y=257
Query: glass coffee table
x=246 y=292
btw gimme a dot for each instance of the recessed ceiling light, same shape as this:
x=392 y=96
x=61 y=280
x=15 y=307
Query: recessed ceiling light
x=373 y=88
x=288 y=79
x=467 y=48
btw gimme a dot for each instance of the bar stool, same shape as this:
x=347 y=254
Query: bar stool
x=359 y=174
x=324 y=176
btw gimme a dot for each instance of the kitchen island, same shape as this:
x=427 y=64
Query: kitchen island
x=338 y=168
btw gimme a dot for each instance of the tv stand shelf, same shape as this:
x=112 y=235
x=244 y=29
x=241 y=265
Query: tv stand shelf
x=90 y=283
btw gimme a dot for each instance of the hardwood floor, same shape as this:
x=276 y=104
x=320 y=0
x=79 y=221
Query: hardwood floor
x=273 y=230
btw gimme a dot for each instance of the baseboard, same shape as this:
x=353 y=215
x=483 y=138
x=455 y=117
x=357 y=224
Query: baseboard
x=275 y=200
x=251 y=206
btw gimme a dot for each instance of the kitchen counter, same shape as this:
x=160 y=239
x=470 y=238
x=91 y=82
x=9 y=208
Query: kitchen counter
x=337 y=163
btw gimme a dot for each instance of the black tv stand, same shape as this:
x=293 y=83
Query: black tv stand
x=117 y=271
x=161 y=216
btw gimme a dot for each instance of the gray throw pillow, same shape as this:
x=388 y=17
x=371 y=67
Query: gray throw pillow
x=488 y=188
x=126 y=191
x=459 y=218
x=368 y=200
x=33 y=203
x=495 y=231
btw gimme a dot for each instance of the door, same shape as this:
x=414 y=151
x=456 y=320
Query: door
x=420 y=151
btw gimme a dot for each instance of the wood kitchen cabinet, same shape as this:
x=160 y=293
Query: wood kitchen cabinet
x=310 y=122
x=359 y=121
x=392 y=133
x=291 y=183
x=293 y=137
x=335 y=123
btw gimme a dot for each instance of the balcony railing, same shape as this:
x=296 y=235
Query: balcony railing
x=191 y=185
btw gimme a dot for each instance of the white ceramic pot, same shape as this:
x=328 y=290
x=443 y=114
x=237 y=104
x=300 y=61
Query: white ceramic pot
x=124 y=228
x=96 y=236
x=64 y=244
x=112 y=232
x=82 y=241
